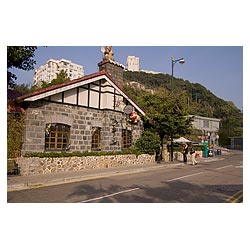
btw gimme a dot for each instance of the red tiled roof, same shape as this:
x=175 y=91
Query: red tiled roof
x=57 y=86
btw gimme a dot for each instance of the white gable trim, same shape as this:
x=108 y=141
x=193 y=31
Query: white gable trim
x=81 y=83
x=62 y=89
x=125 y=96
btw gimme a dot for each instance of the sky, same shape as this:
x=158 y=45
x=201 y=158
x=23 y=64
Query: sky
x=176 y=25
x=218 y=68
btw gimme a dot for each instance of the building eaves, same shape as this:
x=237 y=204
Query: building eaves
x=42 y=92
x=58 y=86
x=205 y=118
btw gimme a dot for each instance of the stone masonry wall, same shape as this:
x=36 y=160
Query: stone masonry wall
x=35 y=165
x=81 y=121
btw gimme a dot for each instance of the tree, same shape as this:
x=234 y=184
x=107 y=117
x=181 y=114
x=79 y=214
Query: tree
x=20 y=57
x=200 y=101
x=61 y=77
x=167 y=115
x=23 y=88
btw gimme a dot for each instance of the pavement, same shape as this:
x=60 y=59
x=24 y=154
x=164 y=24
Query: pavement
x=16 y=183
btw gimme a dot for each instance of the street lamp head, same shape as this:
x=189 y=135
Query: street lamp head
x=182 y=61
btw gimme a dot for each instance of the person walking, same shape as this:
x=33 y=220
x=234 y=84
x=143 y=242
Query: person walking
x=185 y=152
x=192 y=153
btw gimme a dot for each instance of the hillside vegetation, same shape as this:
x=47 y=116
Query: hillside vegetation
x=199 y=100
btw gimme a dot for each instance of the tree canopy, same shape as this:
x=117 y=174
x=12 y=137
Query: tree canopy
x=166 y=113
x=20 y=57
x=61 y=77
x=198 y=99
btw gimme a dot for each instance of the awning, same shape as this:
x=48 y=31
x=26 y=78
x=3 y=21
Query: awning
x=181 y=140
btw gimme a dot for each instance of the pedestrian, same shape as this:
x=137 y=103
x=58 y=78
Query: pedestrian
x=192 y=153
x=185 y=152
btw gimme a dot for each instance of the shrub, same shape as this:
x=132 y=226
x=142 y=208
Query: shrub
x=148 y=143
x=15 y=129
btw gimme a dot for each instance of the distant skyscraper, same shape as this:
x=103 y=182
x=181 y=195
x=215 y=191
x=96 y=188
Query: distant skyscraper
x=133 y=63
x=52 y=67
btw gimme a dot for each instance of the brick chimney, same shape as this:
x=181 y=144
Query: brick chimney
x=114 y=69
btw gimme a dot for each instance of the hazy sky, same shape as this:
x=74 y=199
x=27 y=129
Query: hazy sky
x=218 y=68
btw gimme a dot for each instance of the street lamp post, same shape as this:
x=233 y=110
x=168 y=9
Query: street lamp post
x=181 y=61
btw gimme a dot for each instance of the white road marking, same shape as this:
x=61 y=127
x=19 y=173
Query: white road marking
x=109 y=195
x=185 y=176
x=228 y=166
x=239 y=166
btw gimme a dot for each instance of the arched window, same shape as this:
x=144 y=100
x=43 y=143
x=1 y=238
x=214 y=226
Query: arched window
x=57 y=137
x=96 y=139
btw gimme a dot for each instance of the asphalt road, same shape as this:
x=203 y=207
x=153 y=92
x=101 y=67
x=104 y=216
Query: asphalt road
x=208 y=182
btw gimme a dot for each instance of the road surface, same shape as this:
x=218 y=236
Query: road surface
x=218 y=180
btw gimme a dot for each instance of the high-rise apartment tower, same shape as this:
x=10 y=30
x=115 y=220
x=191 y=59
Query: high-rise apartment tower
x=48 y=71
x=133 y=63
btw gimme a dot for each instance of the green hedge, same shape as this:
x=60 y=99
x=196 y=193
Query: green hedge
x=79 y=154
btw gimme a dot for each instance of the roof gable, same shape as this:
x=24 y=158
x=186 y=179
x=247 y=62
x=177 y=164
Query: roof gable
x=70 y=88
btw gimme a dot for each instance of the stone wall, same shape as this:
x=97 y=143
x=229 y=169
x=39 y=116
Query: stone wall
x=178 y=156
x=36 y=165
x=81 y=121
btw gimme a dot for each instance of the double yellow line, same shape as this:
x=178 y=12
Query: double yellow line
x=236 y=198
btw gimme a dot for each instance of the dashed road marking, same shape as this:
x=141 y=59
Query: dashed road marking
x=228 y=166
x=185 y=176
x=109 y=195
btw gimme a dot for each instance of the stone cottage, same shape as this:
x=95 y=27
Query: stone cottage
x=91 y=113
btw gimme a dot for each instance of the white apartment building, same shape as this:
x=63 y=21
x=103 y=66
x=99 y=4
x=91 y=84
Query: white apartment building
x=49 y=71
x=133 y=63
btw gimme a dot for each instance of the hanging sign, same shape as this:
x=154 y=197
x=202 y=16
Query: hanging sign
x=128 y=109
